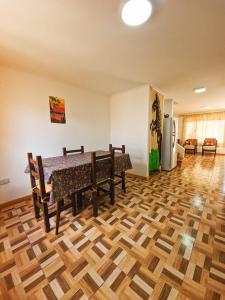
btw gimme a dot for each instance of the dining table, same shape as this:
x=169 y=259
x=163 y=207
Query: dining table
x=72 y=173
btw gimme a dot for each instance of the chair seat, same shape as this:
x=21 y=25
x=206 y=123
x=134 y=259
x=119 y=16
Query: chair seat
x=189 y=147
x=209 y=148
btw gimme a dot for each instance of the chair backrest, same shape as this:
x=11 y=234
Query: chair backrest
x=65 y=151
x=122 y=148
x=98 y=163
x=210 y=142
x=36 y=174
x=191 y=142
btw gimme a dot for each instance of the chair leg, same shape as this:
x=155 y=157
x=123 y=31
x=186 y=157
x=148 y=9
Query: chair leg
x=123 y=181
x=46 y=217
x=36 y=208
x=112 y=192
x=58 y=211
x=95 y=203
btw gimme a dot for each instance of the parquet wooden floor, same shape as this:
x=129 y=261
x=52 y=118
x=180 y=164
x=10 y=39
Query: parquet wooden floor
x=164 y=239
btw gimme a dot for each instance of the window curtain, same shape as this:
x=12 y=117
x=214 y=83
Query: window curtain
x=201 y=126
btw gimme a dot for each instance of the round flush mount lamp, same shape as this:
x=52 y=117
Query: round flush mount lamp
x=200 y=90
x=136 y=12
x=206 y=107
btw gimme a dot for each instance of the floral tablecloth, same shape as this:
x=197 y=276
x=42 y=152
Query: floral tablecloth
x=71 y=173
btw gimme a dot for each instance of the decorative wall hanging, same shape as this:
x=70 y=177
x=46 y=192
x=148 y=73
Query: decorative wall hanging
x=156 y=130
x=156 y=126
x=57 y=110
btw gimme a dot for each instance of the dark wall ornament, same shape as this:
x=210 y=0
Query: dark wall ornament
x=156 y=126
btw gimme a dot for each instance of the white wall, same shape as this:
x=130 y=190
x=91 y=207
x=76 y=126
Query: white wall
x=180 y=128
x=168 y=107
x=129 y=113
x=25 y=124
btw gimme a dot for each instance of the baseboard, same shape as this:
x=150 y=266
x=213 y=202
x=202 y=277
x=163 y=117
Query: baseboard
x=200 y=153
x=217 y=153
x=136 y=175
x=15 y=201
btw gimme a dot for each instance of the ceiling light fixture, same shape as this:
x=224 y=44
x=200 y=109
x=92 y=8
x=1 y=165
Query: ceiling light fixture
x=136 y=12
x=207 y=107
x=200 y=90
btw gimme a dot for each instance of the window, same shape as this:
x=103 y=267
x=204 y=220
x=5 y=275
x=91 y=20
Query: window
x=203 y=126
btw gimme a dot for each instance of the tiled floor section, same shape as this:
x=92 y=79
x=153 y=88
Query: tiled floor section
x=164 y=240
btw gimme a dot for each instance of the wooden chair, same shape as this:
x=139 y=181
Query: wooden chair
x=122 y=175
x=191 y=145
x=209 y=145
x=106 y=161
x=41 y=194
x=65 y=151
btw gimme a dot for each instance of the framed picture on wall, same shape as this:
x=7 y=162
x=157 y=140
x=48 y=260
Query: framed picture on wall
x=57 y=110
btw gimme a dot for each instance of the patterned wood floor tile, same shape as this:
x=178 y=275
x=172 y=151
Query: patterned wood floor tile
x=164 y=239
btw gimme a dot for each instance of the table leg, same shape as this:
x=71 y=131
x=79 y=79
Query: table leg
x=95 y=203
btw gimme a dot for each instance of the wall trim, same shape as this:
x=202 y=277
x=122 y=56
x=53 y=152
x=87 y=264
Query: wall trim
x=136 y=175
x=15 y=201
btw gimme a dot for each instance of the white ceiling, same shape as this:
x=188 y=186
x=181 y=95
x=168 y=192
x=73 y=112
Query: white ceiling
x=84 y=42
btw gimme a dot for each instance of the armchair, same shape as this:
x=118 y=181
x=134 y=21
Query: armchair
x=191 y=145
x=209 y=145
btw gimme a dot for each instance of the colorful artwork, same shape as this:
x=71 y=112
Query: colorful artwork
x=57 y=110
